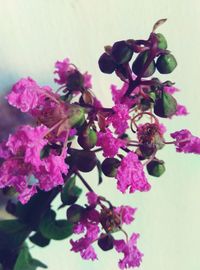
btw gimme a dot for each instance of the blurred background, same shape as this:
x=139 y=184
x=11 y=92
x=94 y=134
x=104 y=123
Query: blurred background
x=35 y=33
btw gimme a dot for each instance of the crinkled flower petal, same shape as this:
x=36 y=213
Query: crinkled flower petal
x=132 y=256
x=130 y=175
x=109 y=143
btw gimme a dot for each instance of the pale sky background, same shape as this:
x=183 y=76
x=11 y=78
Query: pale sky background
x=35 y=33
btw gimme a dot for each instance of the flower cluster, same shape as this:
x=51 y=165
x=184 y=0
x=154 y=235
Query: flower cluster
x=43 y=155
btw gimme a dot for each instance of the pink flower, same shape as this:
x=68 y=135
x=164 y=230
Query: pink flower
x=186 y=142
x=120 y=118
x=65 y=68
x=62 y=69
x=181 y=110
x=21 y=162
x=50 y=172
x=87 y=80
x=92 y=198
x=89 y=225
x=29 y=141
x=130 y=175
x=109 y=143
x=118 y=95
x=24 y=95
x=171 y=90
x=126 y=213
x=132 y=255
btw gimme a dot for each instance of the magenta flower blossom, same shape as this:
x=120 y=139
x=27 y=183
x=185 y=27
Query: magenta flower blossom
x=62 y=69
x=22 y=161
x=87 y=83
x=120 y=118
x=171 y=90
x=132 y=255
x=92 y=197
x=181 y=110
x=24 y=95
x=109 y=143
x=89 y=225
x=186 y=142
x=29 y=141
x=130 y=175
x=65 y=68
x=119 y=98
x=126 y=213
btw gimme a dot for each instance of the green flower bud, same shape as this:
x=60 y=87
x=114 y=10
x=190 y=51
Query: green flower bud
x=122 y=52
x=165 y=106
x=74 y=81
x=85 y=160
x=88 y=138
x=76 y=115
x=74 y=213
x=106 y=63
x=106 y=242
x=166 y=63
x=162 y=42
x=156 y=168
x=139 y=63
x=109 y=166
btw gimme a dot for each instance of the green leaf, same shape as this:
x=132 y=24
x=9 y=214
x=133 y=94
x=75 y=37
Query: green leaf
x=99 y=172
x=70 y=192
x=32 y=212
x=39 y=240
x=26 y=262
x=55 y=229
x=12 y=233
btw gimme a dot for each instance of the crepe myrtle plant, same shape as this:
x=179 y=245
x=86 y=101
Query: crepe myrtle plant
x=72 y=132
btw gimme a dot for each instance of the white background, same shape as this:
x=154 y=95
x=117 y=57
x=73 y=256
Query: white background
x=35 y=33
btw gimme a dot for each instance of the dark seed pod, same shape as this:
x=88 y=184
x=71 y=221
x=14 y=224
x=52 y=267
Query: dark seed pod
x=106 y=63
x=156 y=168
x=109 y=166
x=106 y=242
x=75 y=212
x=139 y=63
x=165 y=106
x=85 y=160
x=122 y=52
x=74 y=81
x=88 y=138
x=147 y=149
x=162 y=42
x=166 y=63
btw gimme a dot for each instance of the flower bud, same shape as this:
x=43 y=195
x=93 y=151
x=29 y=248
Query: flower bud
x=139 y=63
x=74 y=81
x=106 y=242
x=156 y=168
x=75 y=213
x=166 y=63
x=109 y=166
x=147 y=149
x=85 y=160
x=122 y=52
x=106 y=63
x=88 y=138
x=165 y=106
x=162 y=42
x=76 y=115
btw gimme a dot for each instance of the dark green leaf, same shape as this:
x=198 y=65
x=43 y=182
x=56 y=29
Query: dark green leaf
x=12 y=233
x=39 y=240
x=26 y=262
x=32 y=212
x=70 y=192
x=54 y=229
